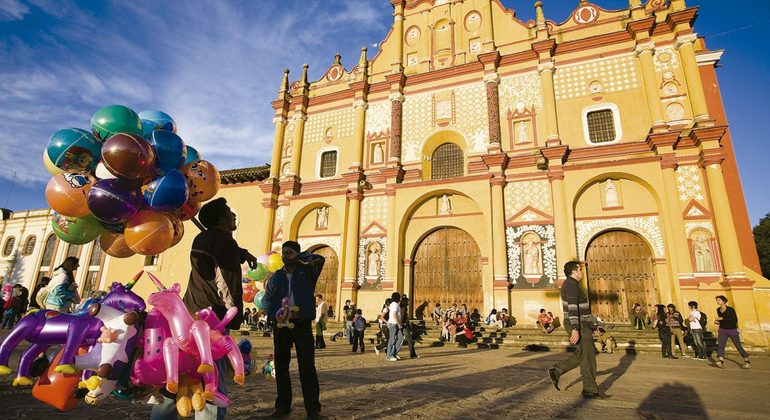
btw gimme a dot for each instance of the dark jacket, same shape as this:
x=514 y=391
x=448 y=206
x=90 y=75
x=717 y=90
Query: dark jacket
x=577 y=310
x=303 y=282
x=215 y=278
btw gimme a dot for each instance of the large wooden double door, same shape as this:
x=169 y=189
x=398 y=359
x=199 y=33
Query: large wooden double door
x=619 y=274
x=446 y=269
x=327 y=281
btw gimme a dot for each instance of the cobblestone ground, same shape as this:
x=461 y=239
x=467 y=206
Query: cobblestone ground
x=450 y=382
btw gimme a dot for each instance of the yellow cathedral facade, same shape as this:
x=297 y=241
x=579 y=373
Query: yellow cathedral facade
x=476 y=153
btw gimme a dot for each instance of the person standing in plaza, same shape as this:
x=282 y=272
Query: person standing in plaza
x=664 y=333
x=406 y=328
x=382 y=320
x=577 y=321
x=395 y=336
x=359 y=326
x=320 y=322
x=696 y=329
x=63 y=291
x=675 y=324
x=350 y=313
x=727 y=320
x=215 y=281
x=295 y=281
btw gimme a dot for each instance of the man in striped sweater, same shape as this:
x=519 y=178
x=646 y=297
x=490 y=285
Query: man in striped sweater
x=578 y=322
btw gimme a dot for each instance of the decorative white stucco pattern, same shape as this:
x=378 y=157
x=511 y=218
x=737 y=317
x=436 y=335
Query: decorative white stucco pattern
x=519 y=195
x=648 y=227
x=546 y=233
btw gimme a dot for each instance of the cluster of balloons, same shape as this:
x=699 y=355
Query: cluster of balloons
x=131 y=181
x=253 y=281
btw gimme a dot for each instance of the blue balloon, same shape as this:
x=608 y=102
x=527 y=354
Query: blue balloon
x=170 y=150
x=162 y=120
x=74 y=150
x=192 y=155
x=148 y=127
x=167 y=193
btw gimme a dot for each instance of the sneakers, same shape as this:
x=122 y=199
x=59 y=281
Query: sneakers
x=721 y=364
x=685 y=356
x=398 y=358
x=746 y=365
x=377 y=351
x=393 y=359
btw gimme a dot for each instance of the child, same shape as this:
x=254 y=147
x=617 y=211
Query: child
x=248 y=364
x=359 y=325
x=606 y=341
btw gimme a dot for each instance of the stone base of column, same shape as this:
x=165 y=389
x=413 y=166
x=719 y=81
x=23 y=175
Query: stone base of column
x=704 y=121
x=553 y=141
x=290 y=185
x=659 y=127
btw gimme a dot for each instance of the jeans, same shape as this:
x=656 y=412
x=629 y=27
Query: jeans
x=395 y=339
x=166 y=409
x=385 y=338
x=349 y=329
x=302 y=337
x=733 y=335
x=358 y=340
x=667 y=347
x=698 y=344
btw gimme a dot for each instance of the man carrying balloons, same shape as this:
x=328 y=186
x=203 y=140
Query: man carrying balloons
x=215 y=281
x=296 y=281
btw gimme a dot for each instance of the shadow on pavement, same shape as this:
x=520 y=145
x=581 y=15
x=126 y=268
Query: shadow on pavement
x=658 y=403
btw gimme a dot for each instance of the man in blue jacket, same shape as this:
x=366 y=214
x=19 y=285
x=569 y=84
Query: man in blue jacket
x=296 y=280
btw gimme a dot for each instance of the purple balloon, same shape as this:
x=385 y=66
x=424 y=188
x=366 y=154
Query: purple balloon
x=114 y=200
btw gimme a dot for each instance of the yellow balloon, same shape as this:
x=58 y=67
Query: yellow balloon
x=274 y=262
x=49 y=166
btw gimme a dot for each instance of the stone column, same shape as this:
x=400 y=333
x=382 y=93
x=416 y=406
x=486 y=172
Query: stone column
x=549 y=99
x=728 y=238
x=299 y=130
x=644 y=54
x=565 y=241
x=684 y=43
x=396 y=109
x=499 y=248
x=492 y=80
x=360 y=106
x=350 y=246
x=275 y=163
x=398 y=31
x=489 y=33
x=392 y=244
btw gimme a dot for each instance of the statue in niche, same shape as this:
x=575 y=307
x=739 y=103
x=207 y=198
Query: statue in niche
x=531 y=252
x=286 y=169
x=377 y=154
x=610 y=194
x=444 y=205
x=373 y=262
x=322 y=217
x=288 y=150
x=522 y=136
x=704 y=261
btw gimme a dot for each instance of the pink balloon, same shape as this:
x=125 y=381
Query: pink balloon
x=262 y=259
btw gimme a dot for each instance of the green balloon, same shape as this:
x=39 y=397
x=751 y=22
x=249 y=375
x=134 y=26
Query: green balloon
x=115 y=119
x=76 y=230
x=258 y=299
x=258 y=273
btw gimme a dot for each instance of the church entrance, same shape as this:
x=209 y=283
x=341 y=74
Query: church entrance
x=446 y=269
x=619 y=274
x=327 y=281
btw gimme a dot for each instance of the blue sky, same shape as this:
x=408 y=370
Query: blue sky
x=216 y=65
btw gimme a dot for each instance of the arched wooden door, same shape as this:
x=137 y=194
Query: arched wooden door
x=327 y=281
x=619 y=274
x=447 y=269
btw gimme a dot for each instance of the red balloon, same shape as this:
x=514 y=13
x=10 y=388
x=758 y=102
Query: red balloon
x=128 y=156
x=187 y=211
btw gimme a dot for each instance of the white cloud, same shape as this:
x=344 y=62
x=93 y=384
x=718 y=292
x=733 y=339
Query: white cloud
x=12 y=10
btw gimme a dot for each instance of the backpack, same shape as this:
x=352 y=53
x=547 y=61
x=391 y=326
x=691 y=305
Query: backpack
x=359 y=324
x=703 y=320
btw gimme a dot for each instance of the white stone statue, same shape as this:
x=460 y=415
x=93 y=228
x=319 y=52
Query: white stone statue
x=373 y=263
x=322 y=217
x=377 y=154
x=704 y=261
x=523 y=136
x=532 y=258
x=610 y=194
x=444 y=205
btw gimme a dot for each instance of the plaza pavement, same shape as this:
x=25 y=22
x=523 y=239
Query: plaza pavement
x=450 y=382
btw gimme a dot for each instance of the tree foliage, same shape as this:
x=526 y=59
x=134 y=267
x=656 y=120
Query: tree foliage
x=762 y=240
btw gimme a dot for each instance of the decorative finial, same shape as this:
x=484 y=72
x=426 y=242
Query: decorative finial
x=284 y=82
x=303 y=82
x=362 y=59
x=539 y=16
x=337 y=58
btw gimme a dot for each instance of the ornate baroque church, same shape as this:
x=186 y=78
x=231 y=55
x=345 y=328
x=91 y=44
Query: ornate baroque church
x=476 y=153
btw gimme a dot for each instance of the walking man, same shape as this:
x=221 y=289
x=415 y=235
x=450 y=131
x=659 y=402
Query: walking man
x=395 y=335
x=696 y=329
x=577 y=321
x=296 y=280
x=727 y=320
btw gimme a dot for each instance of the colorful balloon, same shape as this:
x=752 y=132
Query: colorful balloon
x=101 y=172
x=128 y=156
x=159 y=119
x=258 y=299
x=178 y=230
x=167 y=193
x=76 y=230
x=249 y=291
x=274 y=262
x=113 y=119
x=204 y=180
x=49 y=166
x=114 y=200
x=170 y=150
x=73 y=150
x=114 y=244
x=192 y=155
x=187 y=211
x=114 y=227
x=67 y=194
x=262 y=259
x=258 y=273
x=149 y=233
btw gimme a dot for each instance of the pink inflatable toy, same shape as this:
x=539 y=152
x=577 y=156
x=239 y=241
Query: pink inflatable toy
x=201 y=339
x=282 y=315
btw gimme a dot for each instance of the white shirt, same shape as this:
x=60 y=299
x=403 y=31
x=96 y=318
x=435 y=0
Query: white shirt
x=320 y=312
x=395 y=313
x=695 y=325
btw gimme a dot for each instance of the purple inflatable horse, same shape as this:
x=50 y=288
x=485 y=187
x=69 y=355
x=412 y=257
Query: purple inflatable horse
x=45 y=328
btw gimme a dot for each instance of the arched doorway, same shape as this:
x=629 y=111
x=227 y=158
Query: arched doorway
x=446 y=268
x=619 y=274
x=327 y=281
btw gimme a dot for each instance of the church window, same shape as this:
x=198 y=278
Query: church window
x=29 y=245
x=447 y=162
x=601 y=124
x=328 y=164
x=50 y=246
x=9 y=243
